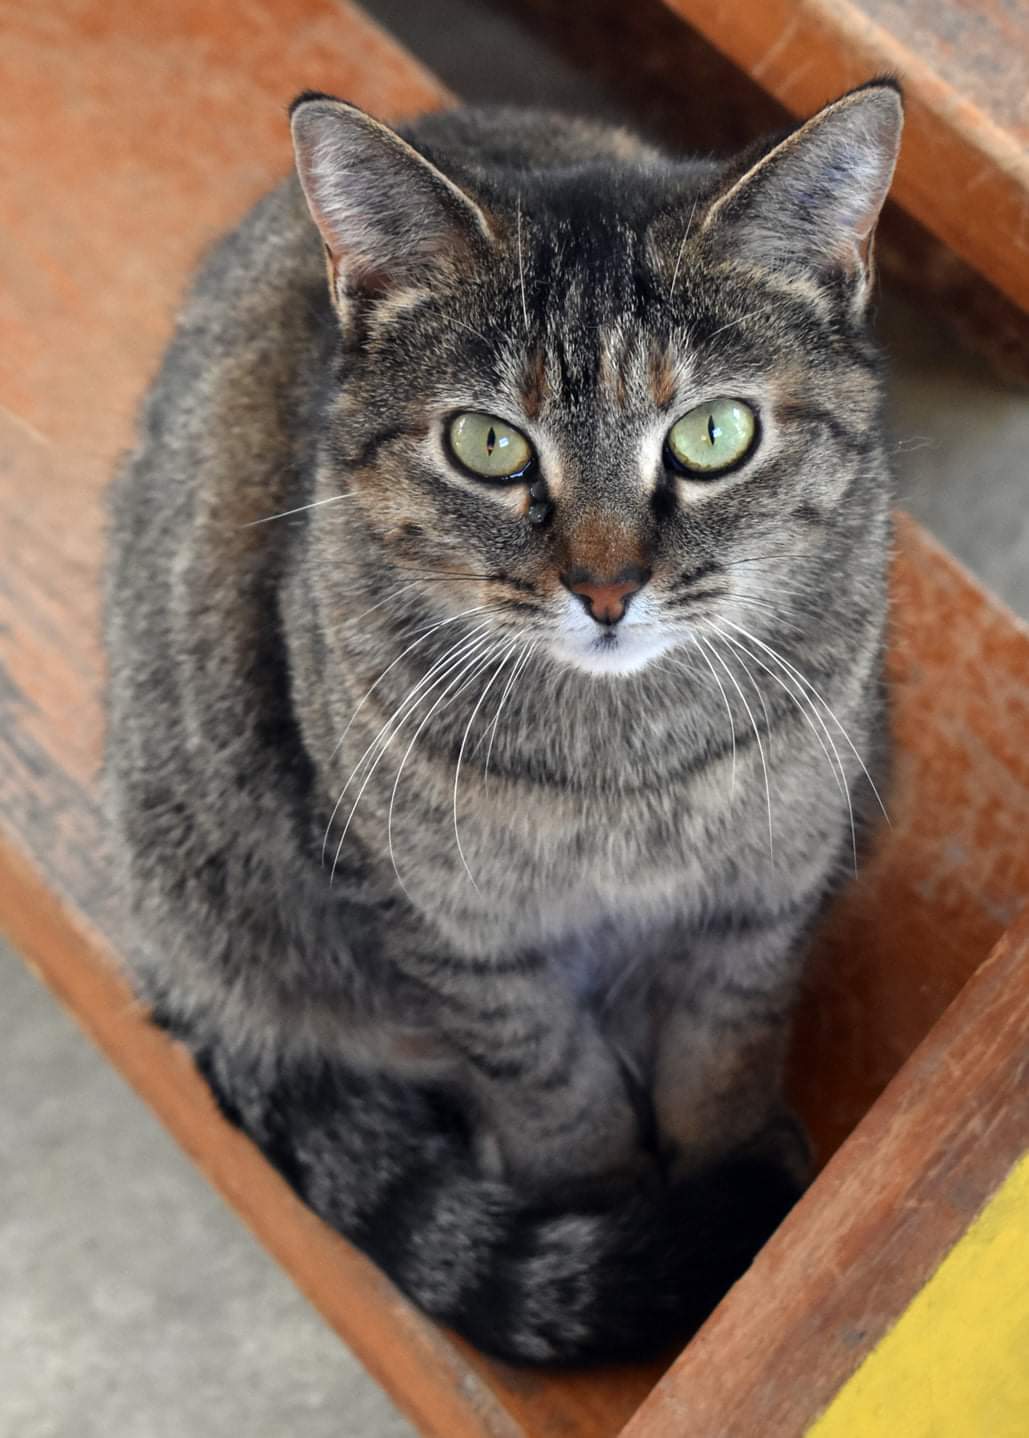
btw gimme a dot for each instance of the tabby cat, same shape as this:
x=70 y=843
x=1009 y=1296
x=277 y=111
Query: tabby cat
x=495 y=644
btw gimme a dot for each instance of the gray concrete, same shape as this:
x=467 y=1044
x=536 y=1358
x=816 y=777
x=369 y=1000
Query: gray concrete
x=961 y=452
x=132 y=1303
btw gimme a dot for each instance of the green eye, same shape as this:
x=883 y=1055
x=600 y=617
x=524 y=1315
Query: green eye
x=713 y=437
x=489 y=447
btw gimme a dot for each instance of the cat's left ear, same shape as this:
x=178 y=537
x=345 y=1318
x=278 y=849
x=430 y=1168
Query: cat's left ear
x=814 y=199
x=389 y=218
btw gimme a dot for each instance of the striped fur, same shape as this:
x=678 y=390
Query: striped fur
x=518 y=1034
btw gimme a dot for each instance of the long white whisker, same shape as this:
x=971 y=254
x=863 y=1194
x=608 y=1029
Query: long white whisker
x=396 y=720
x=803 y=704
x=742 y=320
x=460 y=753
x=521 y=265
x=285 y=513
x=761 y=606
x=802 y=679
x=453 y=320
x=395 y=594
x=476 y=662
x=728 y=710
x=682 y=246
x=423 y=636
x=476 y=609
x=757 y=736
x=520 y=664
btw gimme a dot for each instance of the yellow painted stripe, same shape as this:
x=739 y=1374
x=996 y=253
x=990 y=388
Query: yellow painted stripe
x=956 y=1363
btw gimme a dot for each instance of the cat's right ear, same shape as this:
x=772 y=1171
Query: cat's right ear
x=389 y=219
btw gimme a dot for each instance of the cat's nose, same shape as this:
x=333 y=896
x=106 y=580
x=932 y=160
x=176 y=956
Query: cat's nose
x=605 y=600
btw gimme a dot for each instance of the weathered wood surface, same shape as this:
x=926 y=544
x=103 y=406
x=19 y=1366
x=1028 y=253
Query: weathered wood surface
x=131 y=134
x=863 y=1241
x=951 y=871
x=964 y=170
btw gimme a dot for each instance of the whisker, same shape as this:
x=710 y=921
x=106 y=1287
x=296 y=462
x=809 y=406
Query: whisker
x=802 y=679
x=464 y=740
x=476 y=662
x=757 y=736
x=758 y=691
x=373 y=607
x=285 y=513
x=453 y=320
x=741 y=320
x=520 y=664
x=682 y=246
x=442 y=624
x=802 y=705
x=383 y=738
x=748 y=601
x=521 y=265
x=728 y=710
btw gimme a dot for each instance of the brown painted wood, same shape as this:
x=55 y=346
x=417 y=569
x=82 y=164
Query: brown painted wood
x=964 y=170
x=863 y=1241
x=950 y=872
x=131 y=134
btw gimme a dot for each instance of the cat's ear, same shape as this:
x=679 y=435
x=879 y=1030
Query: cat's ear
x=815 y=198
x=389 y=218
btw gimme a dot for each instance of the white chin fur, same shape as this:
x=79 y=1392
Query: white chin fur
x=625 y=649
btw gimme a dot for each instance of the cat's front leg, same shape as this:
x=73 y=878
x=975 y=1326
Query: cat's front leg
x=550 y=1091
x=725 y=1024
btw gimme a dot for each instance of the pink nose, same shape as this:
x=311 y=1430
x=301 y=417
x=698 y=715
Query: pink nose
x=606 y=600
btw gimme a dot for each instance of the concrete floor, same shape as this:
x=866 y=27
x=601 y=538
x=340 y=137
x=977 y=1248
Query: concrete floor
x=132 y=1303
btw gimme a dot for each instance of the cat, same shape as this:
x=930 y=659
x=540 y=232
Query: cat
x=495 y=616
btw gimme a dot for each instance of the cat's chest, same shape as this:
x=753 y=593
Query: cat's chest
x=600 y=958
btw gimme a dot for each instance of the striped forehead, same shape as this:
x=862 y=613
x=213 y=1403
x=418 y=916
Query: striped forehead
x=617 y=369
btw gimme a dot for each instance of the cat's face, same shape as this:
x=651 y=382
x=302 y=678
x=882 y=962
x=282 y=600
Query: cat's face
x=612 y=410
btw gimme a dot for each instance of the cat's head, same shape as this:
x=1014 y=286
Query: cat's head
x=611 y=401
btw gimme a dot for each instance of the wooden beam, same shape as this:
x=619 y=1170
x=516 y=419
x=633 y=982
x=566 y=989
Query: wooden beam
x=964 y=169
x=870 y=1233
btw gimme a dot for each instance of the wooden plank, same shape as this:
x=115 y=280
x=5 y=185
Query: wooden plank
x=956 y=1357
x=964 y=169
x=951 y=871
x=865 y=1239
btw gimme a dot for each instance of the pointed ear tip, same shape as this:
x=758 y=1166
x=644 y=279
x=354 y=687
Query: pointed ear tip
x=315 y=104
x=308 y=97
x=884 y=91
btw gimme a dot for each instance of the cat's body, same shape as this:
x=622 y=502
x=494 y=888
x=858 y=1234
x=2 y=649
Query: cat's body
x=518 y=1035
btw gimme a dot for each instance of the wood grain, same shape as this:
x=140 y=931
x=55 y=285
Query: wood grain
x=131 y=135
x=964 y=169
x=950 y=872
x=866 y=1237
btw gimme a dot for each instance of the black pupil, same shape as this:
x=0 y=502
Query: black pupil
x=491 y=440
x=712 y=431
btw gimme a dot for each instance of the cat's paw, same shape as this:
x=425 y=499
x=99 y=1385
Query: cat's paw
x=606 y=1147
x=784 y=1140
x=781 y=1139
